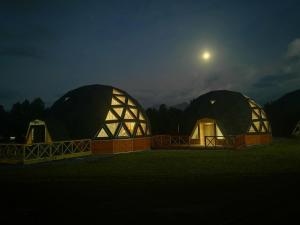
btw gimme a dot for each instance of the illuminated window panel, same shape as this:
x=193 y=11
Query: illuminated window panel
x=123 y=133
x=139 y=132
x=119 y=110
x=128 y=115
x=143 y=125
x=110 y=116
x=148 y=132
x=112 y=127
x=263 y=129
x=252 y=130
x=263 y=114
x=212 y=102
x=267 y=125
x=254 y=116
x=121 y=98
x=195 y=134
x=257 y=125
x=116 y=92
x=219 y=133
x=134 y=111
x=102 y=133
x=130 y=126
x=257 y=111
x=115 y=102
x=252 y=104
x=130 y=102
x=141 y=117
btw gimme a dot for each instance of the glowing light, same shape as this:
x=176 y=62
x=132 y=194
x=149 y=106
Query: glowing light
x=206 y=55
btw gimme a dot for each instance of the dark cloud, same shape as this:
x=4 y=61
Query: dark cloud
x=29 y=33
x=21 y=5
x=282 y=78
x=273 y=80
x=27 y=41
x=8 y=94
x=287 y=72
x=29 y=52
x=294 y=49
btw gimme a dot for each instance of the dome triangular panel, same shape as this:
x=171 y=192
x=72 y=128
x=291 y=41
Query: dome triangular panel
x=128 y=115
x=112 y=127
x=141 y=117
x=110 y=116
x=134 y=112
x=102 y=133
x=130 y=126
x=119 y=111
x=252 y=130
x=123 y=132
x=115 y=102
x=139 y=132
x=121 y=98
x=117 y=92
x=130 y=102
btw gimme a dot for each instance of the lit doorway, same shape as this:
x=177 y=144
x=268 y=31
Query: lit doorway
x=37 y=133
x=205 y=128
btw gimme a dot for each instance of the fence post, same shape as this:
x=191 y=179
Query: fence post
x=23 y=153
x=51 y=151
x=38 y=150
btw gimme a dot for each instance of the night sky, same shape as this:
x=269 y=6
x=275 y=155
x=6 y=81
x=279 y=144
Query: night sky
x=149 y=48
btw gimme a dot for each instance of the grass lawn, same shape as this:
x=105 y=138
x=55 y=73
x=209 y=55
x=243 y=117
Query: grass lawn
x=257 y=185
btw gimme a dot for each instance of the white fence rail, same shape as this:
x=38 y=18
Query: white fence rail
x=18 y=153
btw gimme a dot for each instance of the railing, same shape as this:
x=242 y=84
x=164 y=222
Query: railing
x=228 y=141
x=169 y=141
x=220 y=141
x=18 y=153
x=11 y=151
x=180 y=140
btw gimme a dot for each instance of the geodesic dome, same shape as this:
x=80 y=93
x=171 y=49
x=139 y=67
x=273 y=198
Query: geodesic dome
x=97 y=112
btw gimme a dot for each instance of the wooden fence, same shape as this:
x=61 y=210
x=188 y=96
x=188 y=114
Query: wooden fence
x=160 y=141
x=40 y=152
x=169 y=141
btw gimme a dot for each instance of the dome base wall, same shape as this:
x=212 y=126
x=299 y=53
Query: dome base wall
x=257 y=139
x=120 y=145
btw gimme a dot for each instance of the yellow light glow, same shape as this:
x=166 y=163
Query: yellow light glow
x=206 y=55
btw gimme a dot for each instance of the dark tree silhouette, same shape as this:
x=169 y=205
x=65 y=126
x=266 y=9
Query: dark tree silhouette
x=284 y=113
x=165 y=120
x=3 y=123
x=15 y=122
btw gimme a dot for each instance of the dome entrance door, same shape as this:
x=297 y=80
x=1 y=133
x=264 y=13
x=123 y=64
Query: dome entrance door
x=38 y=134
x=206 y=128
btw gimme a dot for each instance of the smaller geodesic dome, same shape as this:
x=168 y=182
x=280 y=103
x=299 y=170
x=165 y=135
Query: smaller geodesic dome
x=296 y=131
x=38 y=132
x=223 y=113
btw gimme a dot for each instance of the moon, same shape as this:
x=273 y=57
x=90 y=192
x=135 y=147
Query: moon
x=206 y=56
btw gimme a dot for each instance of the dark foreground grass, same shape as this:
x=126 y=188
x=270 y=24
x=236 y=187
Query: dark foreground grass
x=257 y=185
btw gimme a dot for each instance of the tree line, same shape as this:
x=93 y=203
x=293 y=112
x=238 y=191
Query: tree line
x=163 y=120
x=14 y=123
